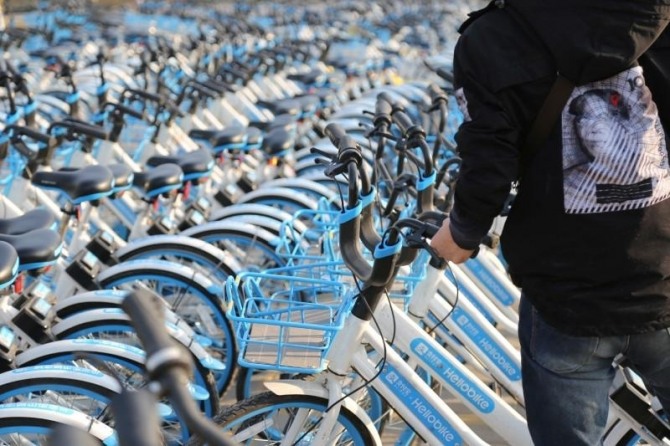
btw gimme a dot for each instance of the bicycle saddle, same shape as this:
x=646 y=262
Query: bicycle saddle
x=9 y=264
x=80 y=185
x=287 y=122
x=283 y=107
x=309 y=103
x=277 y=142
x=34 y=219
x=325 y=95
x=123 y=176
x=311 y=77
x=194 y=164
x=36 y=249
x=254 y=138
x=231 y=138
x=159 y=180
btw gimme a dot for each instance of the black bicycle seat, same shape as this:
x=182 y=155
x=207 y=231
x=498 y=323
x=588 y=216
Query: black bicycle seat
x=123 y=176
x=287 y=122
x=34 y=219
x=159 y=180
x=283 y=106
x=36 y=249
x=193 y=164
x=231 y=138
x=9 y=264
x=308 y=102
x=308 y=78
x=86 y=184
x=254 y=138
x=277 y=141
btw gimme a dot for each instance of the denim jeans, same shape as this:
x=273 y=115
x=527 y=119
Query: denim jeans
x=567 y=379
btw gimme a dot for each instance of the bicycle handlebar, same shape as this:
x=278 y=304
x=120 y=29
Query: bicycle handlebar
x=383 y=111
x=403 y=121
x=146 y=313
x=161 y=100
x=30 y=133
x=335 y=133
x=136 y=418
x=80 y=127
x=123 y=109
x=168 y=363
x=437 y=95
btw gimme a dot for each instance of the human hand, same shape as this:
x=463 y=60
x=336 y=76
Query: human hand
x=445 y=246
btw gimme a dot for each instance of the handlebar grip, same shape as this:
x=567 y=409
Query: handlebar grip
x=145 y=95
x=437 y=94
x=335 y=133
x=136 y=418
x=30 y=133
x=384 y=96
x=382 y=107
x=217 y=86
x=85 y=128
x=93 y=131
x=146 y=315
x=204 y=90
x=383 y=111
x=403 y=121
x=124 y=109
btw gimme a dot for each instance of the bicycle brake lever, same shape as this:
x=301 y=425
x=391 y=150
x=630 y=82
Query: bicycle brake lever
x=334 y=169
x=417 y=240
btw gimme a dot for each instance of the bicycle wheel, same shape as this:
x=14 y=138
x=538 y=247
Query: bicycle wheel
x=197 y=254
x=112 y=324
x=27 y=424
x=189 y=294
x=265 y=418
x=310 y=188
x=247 y=381
x=85 y=390
x=281 y=198
x=126 y=362
x=252 y=247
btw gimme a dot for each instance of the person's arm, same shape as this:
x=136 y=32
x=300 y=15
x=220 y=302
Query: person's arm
x=488 y=144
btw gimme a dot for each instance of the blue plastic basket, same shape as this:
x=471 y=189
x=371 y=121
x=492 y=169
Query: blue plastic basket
x=291 y=329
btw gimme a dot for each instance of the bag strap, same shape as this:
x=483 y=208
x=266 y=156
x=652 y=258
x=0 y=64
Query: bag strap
x=547 y=116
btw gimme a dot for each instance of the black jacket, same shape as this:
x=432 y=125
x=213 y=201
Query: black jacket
x=595 y=264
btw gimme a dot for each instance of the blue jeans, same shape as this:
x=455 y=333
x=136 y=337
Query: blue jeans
x=567 y=379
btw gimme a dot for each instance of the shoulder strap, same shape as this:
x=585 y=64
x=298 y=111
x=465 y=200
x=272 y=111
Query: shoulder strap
x=547 y=116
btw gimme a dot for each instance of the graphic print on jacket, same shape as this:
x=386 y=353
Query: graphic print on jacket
x=614 y=151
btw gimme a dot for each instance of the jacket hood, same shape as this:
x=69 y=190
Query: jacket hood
x=594 y=39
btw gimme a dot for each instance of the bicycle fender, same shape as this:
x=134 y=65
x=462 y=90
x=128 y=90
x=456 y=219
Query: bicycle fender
x=168 y=240
x=299 y=387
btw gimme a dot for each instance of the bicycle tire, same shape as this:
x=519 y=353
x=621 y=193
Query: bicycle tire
x=253 y=247
x=127 y=362
x=36 y=420
x=241 y=415
x=94 y=324
x=282 y=198
x=185 y=250
x=376 y=407
x=204 y=292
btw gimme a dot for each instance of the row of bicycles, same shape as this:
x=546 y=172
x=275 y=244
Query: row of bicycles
x=213 y=204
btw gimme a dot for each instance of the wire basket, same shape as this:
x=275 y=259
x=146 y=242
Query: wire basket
x=317 y=242
x=290 y=329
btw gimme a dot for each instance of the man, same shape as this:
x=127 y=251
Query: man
x=588 y=237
